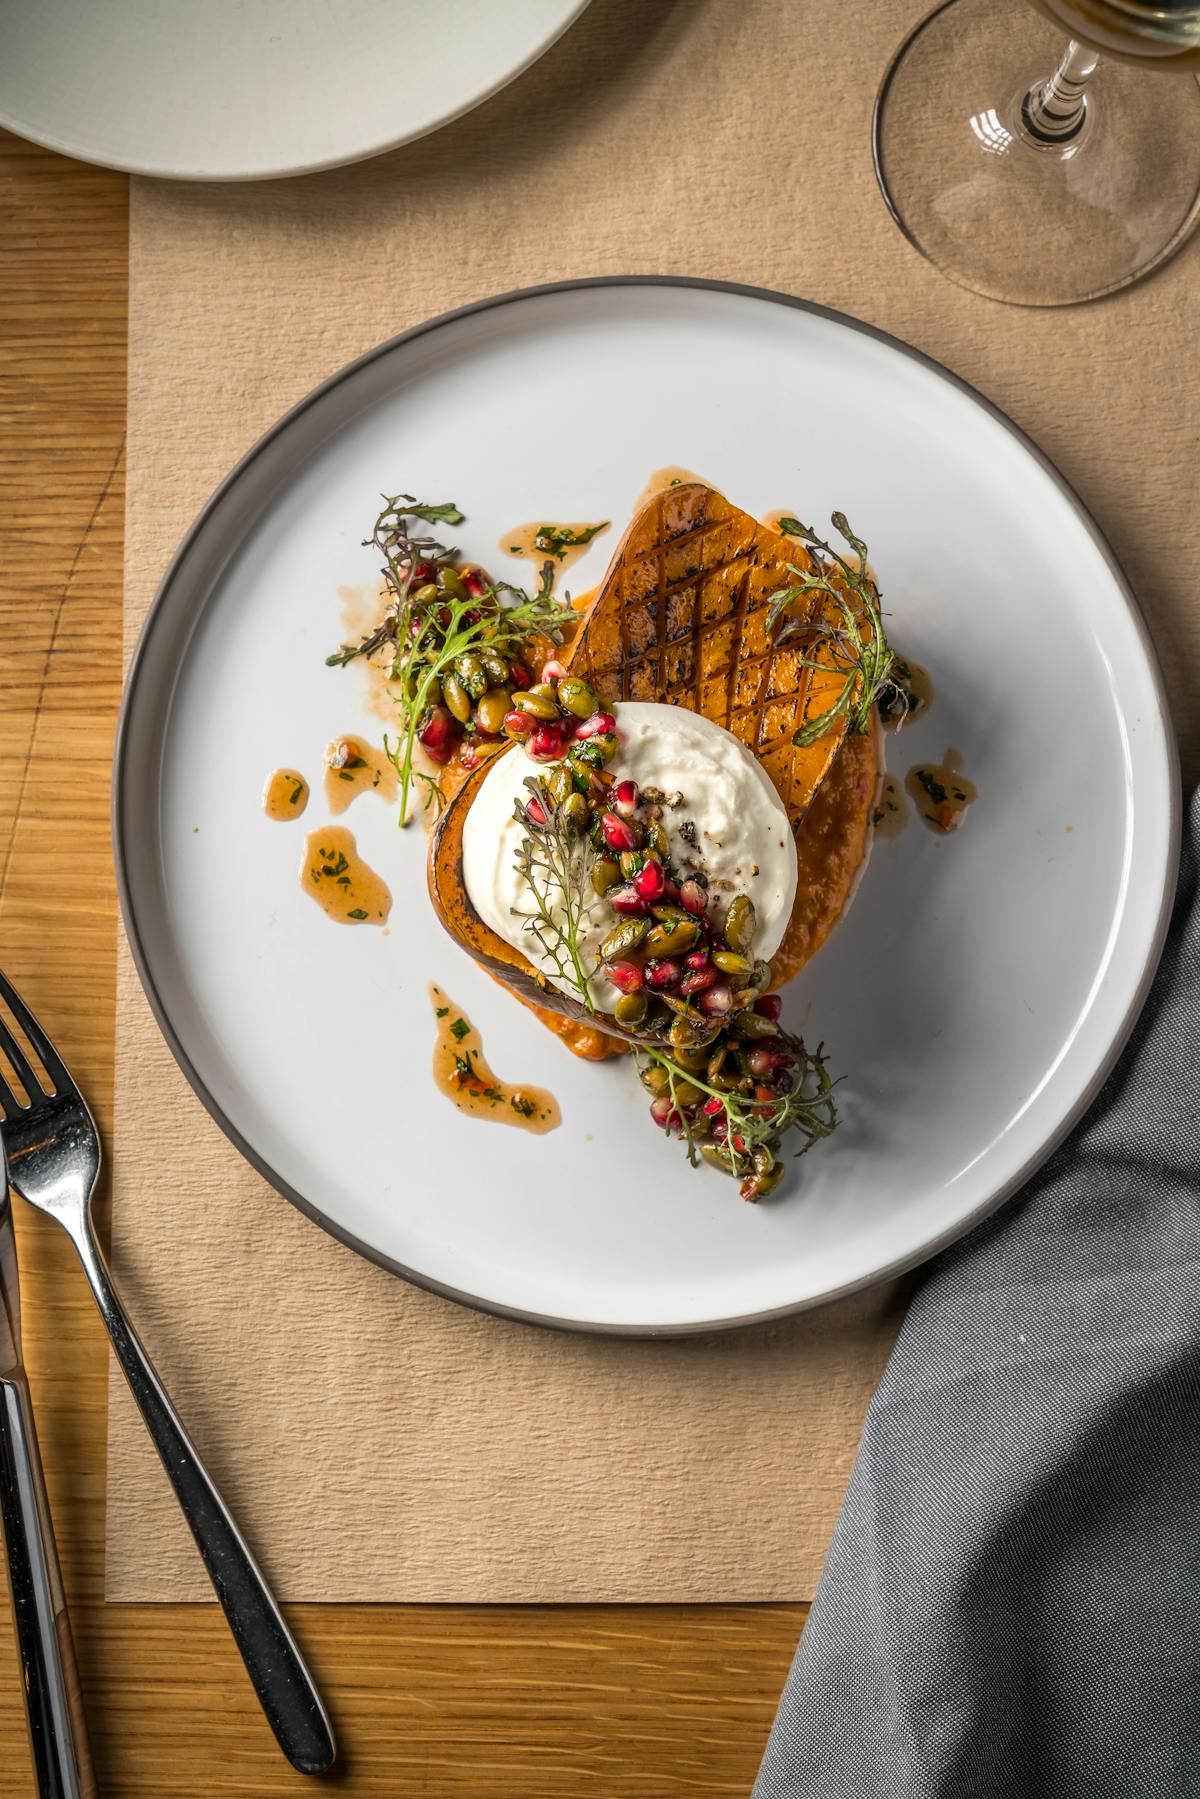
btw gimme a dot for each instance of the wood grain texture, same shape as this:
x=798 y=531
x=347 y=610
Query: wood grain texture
x=634 y=1702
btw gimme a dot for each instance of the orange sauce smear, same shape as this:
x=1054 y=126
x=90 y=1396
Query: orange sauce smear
x=941 y=792
x=334 y=875
x=520 y=541
x=285 y=795
x=462 y=1074
x=353 y=766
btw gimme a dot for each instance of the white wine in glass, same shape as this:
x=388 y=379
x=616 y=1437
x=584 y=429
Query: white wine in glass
x=1036 y=156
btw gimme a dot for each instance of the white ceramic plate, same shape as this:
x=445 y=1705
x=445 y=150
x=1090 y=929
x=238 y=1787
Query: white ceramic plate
x=975 y=995
x=219 y=92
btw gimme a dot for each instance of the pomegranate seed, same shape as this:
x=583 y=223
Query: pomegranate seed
x=474 y=582
x=536 y=811
x=717 y=1001
x=662 y=974
x=546 y=743
x=649 y=880
x=738 y=1142
x=670 y=891
x=468 y=757
x=628 y=901
x=519 y=724
x=519 y=675
x=600 y=724
x=769 y=1005
x=665 y=1114
x=700 y=981
x=423 y=573
x=625 y=975
x=437 y=729
x=761 y=1060
x=438 y=752
x=720 y=1131
x=553 y=670
x=765 y=1096
x=617 y=833
x=625 y=798
x=713 y=1107
x=693 y=897
x=696 y=958
x=443 y=616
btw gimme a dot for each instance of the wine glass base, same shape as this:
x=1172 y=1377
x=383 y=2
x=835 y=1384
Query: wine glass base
x=1005 y=215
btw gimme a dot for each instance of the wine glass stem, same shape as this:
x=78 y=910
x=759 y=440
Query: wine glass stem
x=1053 y=112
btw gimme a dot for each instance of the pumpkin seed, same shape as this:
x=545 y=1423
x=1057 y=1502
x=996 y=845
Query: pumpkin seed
x=729 y=962
x=673 y=937
x=754 y=1026
x=690 y=1033
x=469 y=669
x=495 y=667
x=766 y=1183
x=717 y=1158
x=631 y=863
x=577 y=697
x=558 y=784
x=686 y=1094
x=605 y=874
x=492 y=710
x=456 y=697
x=654 y=1079
x=627 y=935
x=425 y=594
x=575 y=811
x=630 y=1010
x=450 y=584
x=536 y=704
x=740 y=922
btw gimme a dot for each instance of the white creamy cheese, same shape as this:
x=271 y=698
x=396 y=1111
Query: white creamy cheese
x=743 y=839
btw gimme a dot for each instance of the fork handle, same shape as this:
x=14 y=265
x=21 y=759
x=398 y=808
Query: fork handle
x=53 y=1701
x=284 y=1686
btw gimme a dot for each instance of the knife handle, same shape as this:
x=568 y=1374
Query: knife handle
x=53 y=1700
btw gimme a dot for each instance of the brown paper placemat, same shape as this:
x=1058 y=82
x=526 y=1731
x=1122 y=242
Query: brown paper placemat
x=379 y=1444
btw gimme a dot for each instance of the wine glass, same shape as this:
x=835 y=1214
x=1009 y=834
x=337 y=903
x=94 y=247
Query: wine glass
x=1037 y=174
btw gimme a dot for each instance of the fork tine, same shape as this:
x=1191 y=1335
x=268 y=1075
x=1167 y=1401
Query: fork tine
x=19 y=1061
x=9 y=1107
x=50 y=1059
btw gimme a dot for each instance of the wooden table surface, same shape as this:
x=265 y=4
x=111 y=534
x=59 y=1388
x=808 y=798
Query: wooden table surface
x=501 y=1702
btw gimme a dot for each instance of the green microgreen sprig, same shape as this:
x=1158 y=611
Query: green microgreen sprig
x=853 y=644
x=424 y=634
x=555 y=861
x=760 y=1124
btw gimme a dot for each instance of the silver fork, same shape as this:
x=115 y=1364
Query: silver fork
x=58 y=1740
x=53 y=1151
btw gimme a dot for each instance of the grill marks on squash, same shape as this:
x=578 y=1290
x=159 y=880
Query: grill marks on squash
x=681 y=618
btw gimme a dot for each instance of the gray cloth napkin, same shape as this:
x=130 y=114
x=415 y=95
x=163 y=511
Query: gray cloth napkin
x=1011 y=1604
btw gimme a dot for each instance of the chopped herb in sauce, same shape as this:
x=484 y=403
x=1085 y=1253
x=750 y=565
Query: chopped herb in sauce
x=556 y=540
x=441 y=1011
x=522 y=1105
x=459 y=1029
x=356 y=913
